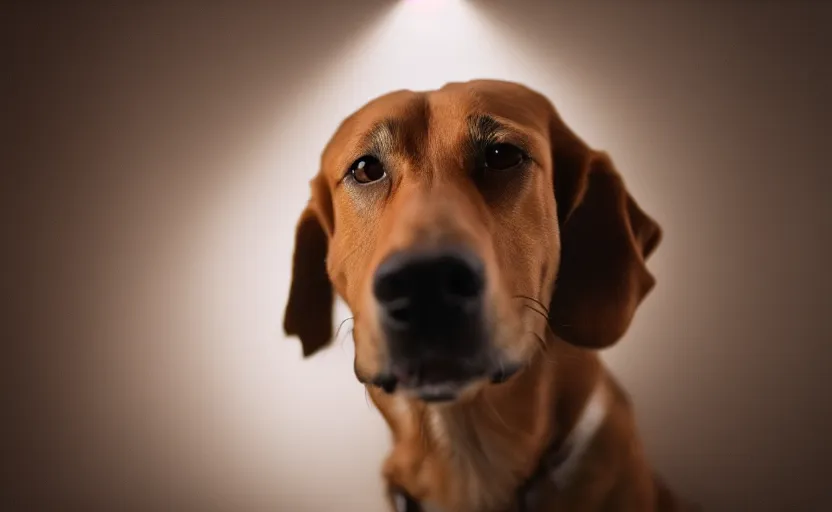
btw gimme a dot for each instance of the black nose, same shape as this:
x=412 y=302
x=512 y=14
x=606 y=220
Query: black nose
x=428 y=293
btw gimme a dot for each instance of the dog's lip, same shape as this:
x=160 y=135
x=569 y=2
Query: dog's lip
x=431 y=371
x=436 y=393
x=445 y=389
x=432 y=391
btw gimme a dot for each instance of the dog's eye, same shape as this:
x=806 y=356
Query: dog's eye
x=367 y=169
x=500 y=157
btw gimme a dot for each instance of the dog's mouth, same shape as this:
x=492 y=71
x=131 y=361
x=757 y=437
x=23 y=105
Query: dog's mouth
x=442 y=380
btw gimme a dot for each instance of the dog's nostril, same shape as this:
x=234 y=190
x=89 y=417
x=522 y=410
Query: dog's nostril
x=391 y=287
x=400 y=311
x=462 y=280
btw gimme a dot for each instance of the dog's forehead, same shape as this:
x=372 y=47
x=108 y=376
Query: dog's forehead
x=442 y=110
x=508 y=100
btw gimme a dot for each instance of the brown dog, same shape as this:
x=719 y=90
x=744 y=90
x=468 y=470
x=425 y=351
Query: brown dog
x=483 y=249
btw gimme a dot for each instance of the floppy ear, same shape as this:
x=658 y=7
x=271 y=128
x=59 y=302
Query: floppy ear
x=605 y=240
x=309 y=309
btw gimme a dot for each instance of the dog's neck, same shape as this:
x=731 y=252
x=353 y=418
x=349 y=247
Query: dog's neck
x=488 y=446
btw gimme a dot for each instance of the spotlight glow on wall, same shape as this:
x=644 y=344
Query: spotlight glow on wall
x=423 y=44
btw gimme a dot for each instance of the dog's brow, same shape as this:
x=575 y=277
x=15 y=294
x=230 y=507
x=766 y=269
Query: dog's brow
x=483 y=128
x=381 y=138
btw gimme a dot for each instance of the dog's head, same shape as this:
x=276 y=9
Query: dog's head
x=456 y=224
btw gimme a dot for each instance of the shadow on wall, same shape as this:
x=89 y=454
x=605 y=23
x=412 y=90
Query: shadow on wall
x=162 y=154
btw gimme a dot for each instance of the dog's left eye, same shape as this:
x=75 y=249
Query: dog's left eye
x=501 y=157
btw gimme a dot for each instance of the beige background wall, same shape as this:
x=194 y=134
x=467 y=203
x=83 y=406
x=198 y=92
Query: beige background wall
x=158 y=158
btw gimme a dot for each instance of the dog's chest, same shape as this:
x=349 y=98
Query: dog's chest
x=482 y=464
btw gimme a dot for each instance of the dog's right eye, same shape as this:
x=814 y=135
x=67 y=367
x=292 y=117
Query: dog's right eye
x=367 y=169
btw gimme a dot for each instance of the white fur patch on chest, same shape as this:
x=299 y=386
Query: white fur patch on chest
x=580 y=438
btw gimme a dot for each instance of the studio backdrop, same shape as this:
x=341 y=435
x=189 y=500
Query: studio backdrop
x=160 y=154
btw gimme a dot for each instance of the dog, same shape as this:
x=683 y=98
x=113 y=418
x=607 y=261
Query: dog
x=486 y=253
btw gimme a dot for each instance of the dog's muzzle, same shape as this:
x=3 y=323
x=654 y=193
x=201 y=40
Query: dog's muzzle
x=432 y=313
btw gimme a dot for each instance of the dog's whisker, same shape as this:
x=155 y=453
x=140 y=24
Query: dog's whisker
x=541 y=346
x=338 y=330
x=546 y=317
x=536 y=311
x=526 y=297
x=341 y=340
x=344 y=339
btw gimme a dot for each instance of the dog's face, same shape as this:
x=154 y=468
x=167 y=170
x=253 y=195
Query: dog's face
x=456 y=224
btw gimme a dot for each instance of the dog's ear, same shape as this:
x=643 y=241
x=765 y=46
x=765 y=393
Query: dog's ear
x=605 y=240
x=308 y=312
